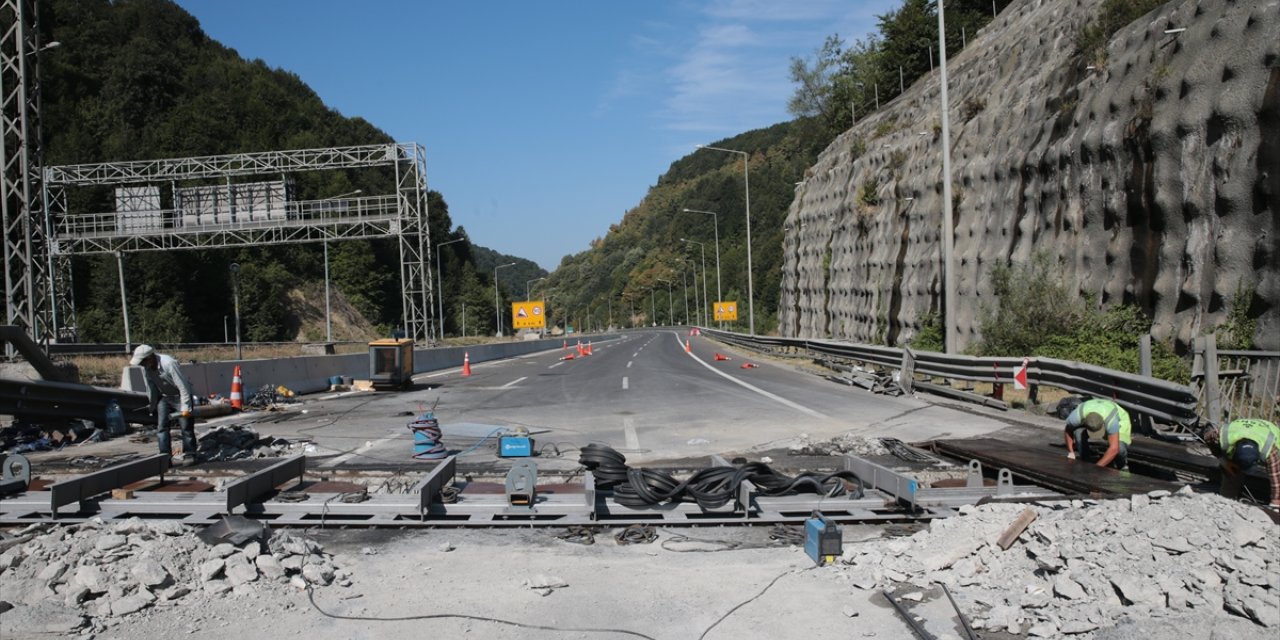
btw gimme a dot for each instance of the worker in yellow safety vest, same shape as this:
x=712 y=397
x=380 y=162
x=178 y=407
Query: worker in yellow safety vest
x=1106 y=421
x=1243 y=444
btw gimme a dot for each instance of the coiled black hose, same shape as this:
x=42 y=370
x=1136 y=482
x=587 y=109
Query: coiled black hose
x=710 y=488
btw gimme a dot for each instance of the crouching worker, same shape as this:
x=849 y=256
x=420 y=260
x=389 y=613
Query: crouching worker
x=169 y=394
x=1105 y=421
x=1243 y=444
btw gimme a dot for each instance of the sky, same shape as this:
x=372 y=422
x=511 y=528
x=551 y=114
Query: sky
x=543 y=122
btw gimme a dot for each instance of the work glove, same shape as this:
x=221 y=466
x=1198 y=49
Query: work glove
x=1071 y=455
x=186 y=414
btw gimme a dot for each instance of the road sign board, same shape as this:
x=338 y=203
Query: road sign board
x=726 y=311
x=528 y=315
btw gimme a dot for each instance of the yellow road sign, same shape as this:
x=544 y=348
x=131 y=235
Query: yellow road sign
x=528 y=315
x=726 y=311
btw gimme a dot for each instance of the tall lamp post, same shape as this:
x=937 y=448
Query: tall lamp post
x=497 y=305
x=328 y=318
x=235 y=292
x=670 y=307
x=701 y=315
x=653 y=309
x=716 y=219
x=703 y=247
x=948 y=231
x=526 y=286
x=746 y=175
x=440 y=283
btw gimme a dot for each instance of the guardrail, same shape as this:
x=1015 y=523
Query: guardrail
x=1165 y=401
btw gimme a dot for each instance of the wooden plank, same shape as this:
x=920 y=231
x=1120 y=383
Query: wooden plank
x=1016 y=528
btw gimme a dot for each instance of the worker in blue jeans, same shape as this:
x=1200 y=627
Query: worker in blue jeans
x=168 y=393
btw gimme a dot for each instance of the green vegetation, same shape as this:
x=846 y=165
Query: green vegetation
x=1091 y=42
x=932 y=334
x=1038 y=315
x=1236 y=333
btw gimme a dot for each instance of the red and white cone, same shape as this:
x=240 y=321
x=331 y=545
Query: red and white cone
x=466 y=364
x=237 y=390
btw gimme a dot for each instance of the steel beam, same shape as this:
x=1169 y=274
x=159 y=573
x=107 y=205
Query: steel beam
x=428 y=489
x=251 y=488
x=83 y=488
x=873 y=476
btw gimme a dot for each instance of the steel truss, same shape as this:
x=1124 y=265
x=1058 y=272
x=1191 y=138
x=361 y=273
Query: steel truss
x=402 y=214
x=25 y=229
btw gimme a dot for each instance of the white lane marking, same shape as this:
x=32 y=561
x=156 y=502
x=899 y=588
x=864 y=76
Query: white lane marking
x=514 y=382
x=628 y=364
x=629 y=428
x=437 y=375
x=802 y=409
x=635 y=354
x=556 y=364
x=624 y=383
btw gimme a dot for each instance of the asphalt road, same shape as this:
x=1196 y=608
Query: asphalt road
x=640 y=393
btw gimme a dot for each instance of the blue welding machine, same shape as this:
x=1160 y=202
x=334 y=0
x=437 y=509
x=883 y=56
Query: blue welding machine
x=822 y=539
x=515 y=446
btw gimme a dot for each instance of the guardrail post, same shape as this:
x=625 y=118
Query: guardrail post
x=997 y=387
x=1212 y=393
x=1144 y=368
x=908 y=371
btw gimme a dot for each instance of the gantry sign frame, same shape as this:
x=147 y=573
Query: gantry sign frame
x=402 y=214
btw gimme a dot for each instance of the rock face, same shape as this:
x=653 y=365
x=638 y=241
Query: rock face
x=1153 y=179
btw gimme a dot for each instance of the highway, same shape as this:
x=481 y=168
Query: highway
x=640 y=393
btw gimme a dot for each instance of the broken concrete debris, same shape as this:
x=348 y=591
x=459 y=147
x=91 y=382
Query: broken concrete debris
x=1082 y=568
x=236 y=442
x=844 y=444
x=87 y=577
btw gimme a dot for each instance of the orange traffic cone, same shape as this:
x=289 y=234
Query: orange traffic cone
x=466 y=364
x=720 y=357
x=581 y=351
x=688 y=346
x=589 y=348
x=749 y=365
x=237 y=390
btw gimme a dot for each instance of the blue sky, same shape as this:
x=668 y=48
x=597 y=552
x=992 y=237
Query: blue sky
x=543 y=122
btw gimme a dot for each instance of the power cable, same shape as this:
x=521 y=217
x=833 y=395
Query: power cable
x=748 y=601
x=462 y=616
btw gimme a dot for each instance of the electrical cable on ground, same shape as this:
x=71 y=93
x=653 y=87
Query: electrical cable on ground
x=461 y=616
x=710 y=488
x=749 y=600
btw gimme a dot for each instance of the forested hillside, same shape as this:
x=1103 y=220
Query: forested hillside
x=139 y=79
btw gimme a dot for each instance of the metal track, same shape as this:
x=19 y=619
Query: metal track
x=890 y=497
x=1051 y=469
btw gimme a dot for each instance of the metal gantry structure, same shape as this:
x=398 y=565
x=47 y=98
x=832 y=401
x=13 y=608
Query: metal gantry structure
x=22 y=217
x=152 y=214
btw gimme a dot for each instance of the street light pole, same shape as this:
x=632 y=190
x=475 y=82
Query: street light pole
x=497 y=305
x=684 y=279
x=948 y=232
x=328 y=318
x=703 y=247
x=526 y=287
x=124 y=301
x=746 y=175
x=716 y=219
x=653 y=308
x=440 y=284
x=670 y=306
x=235 y=292
x=702 y=314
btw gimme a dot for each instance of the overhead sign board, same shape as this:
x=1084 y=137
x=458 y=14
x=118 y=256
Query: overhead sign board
x=528 y=315
x=726 y=311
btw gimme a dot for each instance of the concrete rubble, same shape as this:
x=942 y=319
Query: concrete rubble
x=87 y=577
x=1085 y=566
x=844 y=444
x=236 y=442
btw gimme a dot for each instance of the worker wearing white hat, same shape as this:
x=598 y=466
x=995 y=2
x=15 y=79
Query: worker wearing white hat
x=168 y=392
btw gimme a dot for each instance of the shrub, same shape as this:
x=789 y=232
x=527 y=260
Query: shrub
x=931 y=336
x=1092 y=40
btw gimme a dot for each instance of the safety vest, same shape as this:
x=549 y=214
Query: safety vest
x=1260 y=431
x=1110 y=411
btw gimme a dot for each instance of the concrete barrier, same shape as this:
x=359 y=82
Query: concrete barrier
x=310 y=374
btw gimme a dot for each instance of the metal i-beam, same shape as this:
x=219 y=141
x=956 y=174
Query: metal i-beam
x=251 y=488
x=83 y=488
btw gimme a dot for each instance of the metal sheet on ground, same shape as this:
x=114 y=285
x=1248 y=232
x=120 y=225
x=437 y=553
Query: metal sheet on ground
x=1052 y=468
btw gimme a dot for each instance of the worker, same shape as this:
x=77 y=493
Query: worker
x=1104 y=420
x=1243 y=444
x=168 y=393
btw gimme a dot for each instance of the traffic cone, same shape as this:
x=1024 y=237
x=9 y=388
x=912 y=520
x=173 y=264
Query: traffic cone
x=466 y=364
x=688 y=346
x=581 y=352
x=749 y=365
x=720 y=357
x=589 y=352
x=237 y=390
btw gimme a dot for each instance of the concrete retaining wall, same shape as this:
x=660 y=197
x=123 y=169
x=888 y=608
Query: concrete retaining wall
x=309 y=374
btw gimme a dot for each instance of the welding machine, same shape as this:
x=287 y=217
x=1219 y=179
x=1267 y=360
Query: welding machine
x=515 y=444
x=822 y=539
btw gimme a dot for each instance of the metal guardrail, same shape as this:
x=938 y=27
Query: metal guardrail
x=1166 y=401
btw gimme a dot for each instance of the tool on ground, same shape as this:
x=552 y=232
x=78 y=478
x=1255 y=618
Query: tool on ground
x=237 y=390
x=515 y=444
x=522 y=487
x=391 y=363
x=822 y=539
